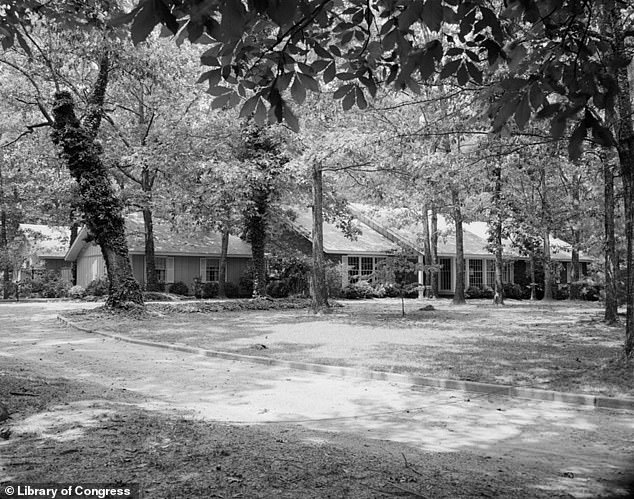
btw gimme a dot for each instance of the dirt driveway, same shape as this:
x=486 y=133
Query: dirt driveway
x=559 y=448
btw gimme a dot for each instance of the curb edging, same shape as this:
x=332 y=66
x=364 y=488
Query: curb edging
x=579 y=399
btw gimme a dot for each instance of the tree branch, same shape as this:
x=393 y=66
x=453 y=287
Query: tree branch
x=94 y=113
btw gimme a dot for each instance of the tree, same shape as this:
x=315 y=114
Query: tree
x=399 y=271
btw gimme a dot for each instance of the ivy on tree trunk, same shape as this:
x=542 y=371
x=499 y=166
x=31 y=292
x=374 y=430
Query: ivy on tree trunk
x=103 y=211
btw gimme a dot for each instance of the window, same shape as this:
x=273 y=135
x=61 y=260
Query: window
x=490 y=273
x=160 y=266
x=212 y=269
x=445 y=274
x=367 y=267
x=475 y=273
x=507 y=273
x=353 y=269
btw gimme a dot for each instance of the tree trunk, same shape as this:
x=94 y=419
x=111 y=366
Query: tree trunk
x=498 y=297
x=4 y=256
x=458 y=297
x=427 y=250
x=151 y=279
x=74 y=231
x=548 y=275
x=222 y=270
x=625 y=148
x=103 y=211
x=531 y=263
x=434 y=252
x=575 y=267
x=611 y=300
x=319 y=287
x=257 y=238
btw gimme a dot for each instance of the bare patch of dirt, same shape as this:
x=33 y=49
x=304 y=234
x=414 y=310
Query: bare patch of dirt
x=66 y=431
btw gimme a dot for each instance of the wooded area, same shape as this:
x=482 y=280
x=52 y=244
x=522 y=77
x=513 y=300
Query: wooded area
x=516 y=113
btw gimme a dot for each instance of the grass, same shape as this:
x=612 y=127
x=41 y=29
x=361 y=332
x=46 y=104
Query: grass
x=561 y=346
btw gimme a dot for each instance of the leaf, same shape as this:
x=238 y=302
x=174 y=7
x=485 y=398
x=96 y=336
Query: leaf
x=212 y=75
x=298 y=91
x=433 y=14
x=282 y=12
x=341 y=91
x=322 y=52
x=523 y=112
x=291 y=119
x=450 y=68
x=536 y=96
x=558 y=126
x=426 y=65
x=218 y=90
x=348 y=100
x=575 y=144
x=411 y=14
x=24 y=45
x=309 y=82
x=122 y=19
x=504 y=112
x=462 y=75
x=249 y=106
x=474 y=72
x=517 y=56
x=144 y=22
x=259 y=116
x=284 y=80
x=232 y=23
x=361 y=102
x=221 y=101
x=329 y=73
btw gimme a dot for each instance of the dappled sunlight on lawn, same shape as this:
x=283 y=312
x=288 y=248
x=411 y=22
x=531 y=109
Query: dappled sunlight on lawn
x=562 y=345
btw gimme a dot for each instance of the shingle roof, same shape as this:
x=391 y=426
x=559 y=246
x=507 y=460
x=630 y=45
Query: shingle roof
x=167 y=241
x=474 y=235
x=336 y=242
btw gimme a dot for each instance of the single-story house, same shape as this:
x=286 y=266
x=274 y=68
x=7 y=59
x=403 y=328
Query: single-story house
x=44 y=249
x=359 y=254
x=479 y=261
x=179 y=256
x=382 y=232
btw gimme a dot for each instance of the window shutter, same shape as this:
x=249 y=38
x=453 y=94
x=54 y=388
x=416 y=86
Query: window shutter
x=169 y=269
x=203 y=270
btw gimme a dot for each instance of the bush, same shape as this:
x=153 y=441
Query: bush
x=232 y=290
x=513 y=291
x=209 y=289
x=277 y=289
x=98 y=287
x=245 y=285
x=77 y=292
x=333 y=279
x=358 y=290
x=179 y=288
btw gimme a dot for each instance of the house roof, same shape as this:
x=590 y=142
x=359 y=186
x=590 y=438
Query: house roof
x=399 y=223
x=367 y=242
x=169 y=242
x=46 y=241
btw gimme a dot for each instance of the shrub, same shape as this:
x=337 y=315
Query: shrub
x=391 y=291
x=245 y=285
x=513 y=291
x=98 y=287
x=47 y=285
x=209 y=289
x=358 y=290
x=277 y=289
x=333 y=279
x=77 y=292
x=179 y=288
x=232 y=290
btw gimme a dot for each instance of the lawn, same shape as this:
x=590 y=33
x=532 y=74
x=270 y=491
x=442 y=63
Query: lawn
x=560 y=346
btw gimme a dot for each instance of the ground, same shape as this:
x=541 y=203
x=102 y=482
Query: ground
x=86 y=408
